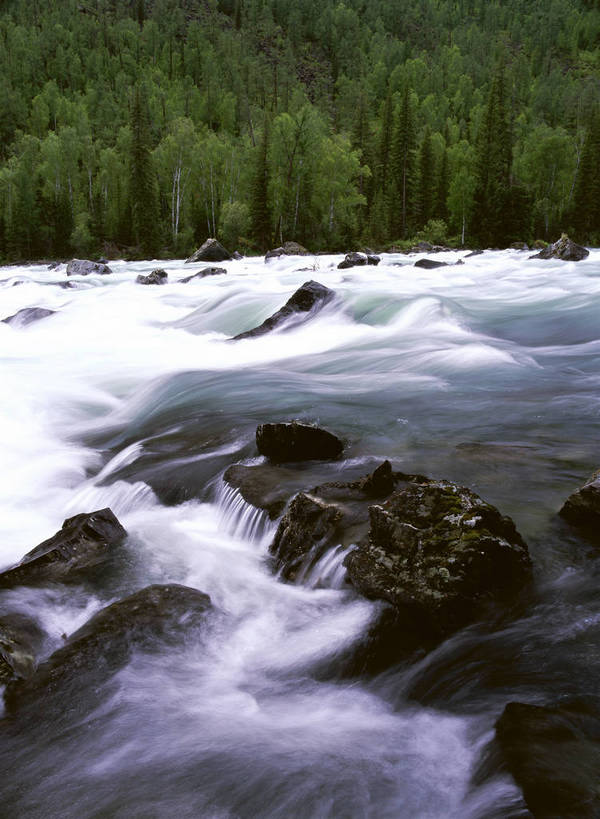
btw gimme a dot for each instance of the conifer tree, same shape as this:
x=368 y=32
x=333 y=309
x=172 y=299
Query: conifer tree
x=427 y=187
x=402 y=167
x=143 y=188
x=260 y=214
x=494 y=159
x=440 y=209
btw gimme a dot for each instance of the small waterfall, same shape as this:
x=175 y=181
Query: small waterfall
x=328 y=571
x=239 y=518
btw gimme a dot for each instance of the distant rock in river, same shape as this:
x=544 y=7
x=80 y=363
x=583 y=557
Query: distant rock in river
x=211 y=251
x=28 y=315
x=84 y=267
x=564 y=249
x=157 y=276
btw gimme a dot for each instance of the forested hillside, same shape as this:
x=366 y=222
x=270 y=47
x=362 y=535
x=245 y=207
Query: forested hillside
x=139 y=127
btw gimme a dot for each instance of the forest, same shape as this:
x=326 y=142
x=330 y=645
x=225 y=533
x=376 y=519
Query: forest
x=137 y=128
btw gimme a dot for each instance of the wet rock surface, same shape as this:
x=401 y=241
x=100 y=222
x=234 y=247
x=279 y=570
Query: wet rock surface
x=201 y=274
x=439 y=553
x=429 y=264
x=211 y=251
x=312 y=296
x=297 y=442
x=356 y=259
x=83 y=542
x=106 y=642
x=20 y=642
x=28 y=315
x=565 y=249
x=582 y=508
x=157 y=276
x=84 y=267
x=553 y=753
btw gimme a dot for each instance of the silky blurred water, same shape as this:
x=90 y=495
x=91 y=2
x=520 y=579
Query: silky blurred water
x=133 y=397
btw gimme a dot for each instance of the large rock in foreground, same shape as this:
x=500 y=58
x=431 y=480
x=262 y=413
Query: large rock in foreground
x=83 y=542
x=84 y=267
x=438 y=553
x=564 y=249
x=582 y=508
x=105 y=643
x=211 y=251
x=553 y=753
x=297 y=442
x=28 y=315
x=309 y=298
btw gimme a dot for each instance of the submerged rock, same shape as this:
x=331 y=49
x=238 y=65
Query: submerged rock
x=84 y=267
x=308 y=298
x=473 y=253
x=553 y=753
x=157 y=276
x=83 y=542
x=105 y=643
x=564 y=249
x=356 y=259
x=28 y=315
x=211 y=251
x=582 y=508
x=20 y=642
x=430 y=264
x=297 y=442
x=201 y=274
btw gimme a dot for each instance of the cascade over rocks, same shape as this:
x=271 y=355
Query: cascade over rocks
x=429 y=264
x=297 y=442
x=287 y=249
x=435 y=551
x=84 y=267
x=83 y=542
x=307 y=299
x=211 y=251
x=553 y=753
x=157 y=276
x=564 y=249
x=356 y=259
x=27 y=315
x=582 y=508
x=201 y=274
x=105 y=643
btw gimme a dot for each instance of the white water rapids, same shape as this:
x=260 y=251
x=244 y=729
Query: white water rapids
x=487 y=373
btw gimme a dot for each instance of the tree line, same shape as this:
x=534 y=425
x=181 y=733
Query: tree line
x=139 y=127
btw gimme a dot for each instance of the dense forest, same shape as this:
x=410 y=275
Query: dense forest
x=140 y=127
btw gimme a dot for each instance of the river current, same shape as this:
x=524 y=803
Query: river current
x=486 y=373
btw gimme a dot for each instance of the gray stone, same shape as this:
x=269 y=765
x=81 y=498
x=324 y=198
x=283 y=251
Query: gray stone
x=564 y=249
x=28 y=315
x=157 y=276
x=201 y=274
x=582 y=508
x=211 y=251
x=84 y=267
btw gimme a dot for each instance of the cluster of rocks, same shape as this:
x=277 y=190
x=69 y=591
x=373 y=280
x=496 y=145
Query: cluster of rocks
x=565 y=249
x=357 y=259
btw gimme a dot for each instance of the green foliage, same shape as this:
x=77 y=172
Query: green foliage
x=382 y=117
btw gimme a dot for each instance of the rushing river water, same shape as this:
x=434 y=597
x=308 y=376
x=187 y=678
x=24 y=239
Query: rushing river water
x=132 y=397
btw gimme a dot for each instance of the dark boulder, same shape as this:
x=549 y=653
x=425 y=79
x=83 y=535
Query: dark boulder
x=201 y=274
x=564 y=249
x=356 y=259
x=297 y=442
x=157 y=276
x=553 y=753
x=430 y=264
x=438 y=553
x=309 y=298
x=421 y=247
x=259 y=486
x=84 y=267
x=28 y=315
x=106 y=642
x=473 y=253
x=519 y=246
x=211 y=251
x=582 y=508
x=287 y=249
x=20 y=643
x=83 y=542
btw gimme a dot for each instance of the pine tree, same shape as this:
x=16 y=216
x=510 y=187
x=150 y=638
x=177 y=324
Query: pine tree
x=440 y=209
x=427 y=188
x=494 y=159
x=402 y=167
x=260 y=213
x=143 y=188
